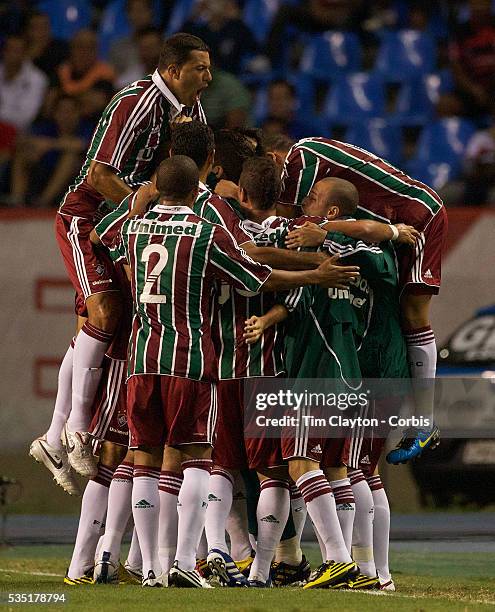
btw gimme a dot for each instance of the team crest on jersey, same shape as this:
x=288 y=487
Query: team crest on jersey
x=99 y=268
x=122 y=420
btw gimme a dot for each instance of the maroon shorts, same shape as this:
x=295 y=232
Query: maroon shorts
x=90 y=270
x=325 y=451
x=264 y=452
x=229 y=450
x=420 y=268
x=363 y=454
x=170 y=410
x=110 y=406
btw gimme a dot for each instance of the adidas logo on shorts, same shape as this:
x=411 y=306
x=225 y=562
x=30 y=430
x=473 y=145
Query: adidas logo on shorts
x=316 y=449
x=365 y=460
x=428 y=274
x=143 y=504
x=270 y=519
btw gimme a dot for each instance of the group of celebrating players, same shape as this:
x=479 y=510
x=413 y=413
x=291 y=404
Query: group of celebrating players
x=201 y=262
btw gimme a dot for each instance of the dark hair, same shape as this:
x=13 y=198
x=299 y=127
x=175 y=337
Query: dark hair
x=194 y=139
x=176 y=177
x=260 y=178
x=231 y=151
x=129 y=2
x=176 y=49
x=255 y=134
x=277 y=142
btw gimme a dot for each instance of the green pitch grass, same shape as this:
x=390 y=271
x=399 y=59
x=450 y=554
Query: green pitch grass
x=433 y=581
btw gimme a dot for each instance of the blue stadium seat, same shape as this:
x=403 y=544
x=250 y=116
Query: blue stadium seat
x=180 y=14
x=67 y=16
x=440 y=151
x=379 y=137
x=405 y=54
x=258 y=16
x=114 y=24
x=331 y=54
x=355 y=97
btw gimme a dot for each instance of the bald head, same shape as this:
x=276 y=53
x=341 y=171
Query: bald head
x=331 y=193
x=177 y=179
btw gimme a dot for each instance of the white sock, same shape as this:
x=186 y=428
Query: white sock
x=89 y=350
x=146 y=510
x=63 y=401
x=320 y=503
x=134 y=558
x=91 y=522
x=289 y=551
x=202 y=548
x=381 y=528
x=220 y=487
x=321 y=544
x=119 y=510
x=169 y=487
x=422 y=357
x=346 y=508
x=237 y=523
x=272 y=514
x=193 y=500
x=362 y=535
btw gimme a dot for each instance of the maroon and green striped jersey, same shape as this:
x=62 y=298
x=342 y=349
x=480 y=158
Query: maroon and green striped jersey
x=236 y=359
x=176 y=261
x=130 y=138
x=385 y=193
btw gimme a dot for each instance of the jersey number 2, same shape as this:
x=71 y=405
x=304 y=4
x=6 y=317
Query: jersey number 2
x=146 y=296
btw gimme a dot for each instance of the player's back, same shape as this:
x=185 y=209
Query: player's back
x=385 y=192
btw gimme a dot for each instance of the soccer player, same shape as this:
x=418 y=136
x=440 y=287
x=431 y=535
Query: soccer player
x=385 y=193
x=175 y=259
x=123 y=152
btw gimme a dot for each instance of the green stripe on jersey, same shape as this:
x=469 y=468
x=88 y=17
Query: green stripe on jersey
x=369 y=170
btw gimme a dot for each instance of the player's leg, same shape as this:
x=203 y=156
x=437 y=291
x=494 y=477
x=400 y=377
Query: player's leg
x=237 y=525
x=362 y=537
x=93 y=513
x=272 y=513
x=344 y=500
x=381 y=531
x=320 y=503
x=170 y=484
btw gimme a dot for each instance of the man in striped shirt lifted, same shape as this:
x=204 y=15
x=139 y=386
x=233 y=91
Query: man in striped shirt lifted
x=385 y=193
x=125 y=149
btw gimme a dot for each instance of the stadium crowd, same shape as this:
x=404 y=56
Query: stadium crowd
x=410 y=81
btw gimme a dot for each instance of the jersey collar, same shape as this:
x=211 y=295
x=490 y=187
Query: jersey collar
x=172 y=210
x=256 y=228
x=203 y=187
x=157 y=79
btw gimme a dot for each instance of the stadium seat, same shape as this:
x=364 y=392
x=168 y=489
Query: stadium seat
x=440 y=151
x=405 y=54
x=114 y=24
x=379 y=137
x=258 y=16
x=67 y=16
x=355 y=97
x=417 y=98
x=180 y=14
x=331 y=54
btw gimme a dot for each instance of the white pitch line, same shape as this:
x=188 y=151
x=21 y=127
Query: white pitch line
x=10 y=571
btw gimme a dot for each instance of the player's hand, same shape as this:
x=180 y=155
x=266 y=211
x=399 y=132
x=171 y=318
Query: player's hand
x=181 y=119
x=334 y=275
x=253 y=329
x=308 y=235
x=407 y=234
x=144 y=195
x=227 y=189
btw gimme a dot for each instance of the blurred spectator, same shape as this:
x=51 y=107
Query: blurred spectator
x=272 y=126
x=226 y=102
x=83 y=68
x=45 y=51
x=48 y=157
x=22 y=85
x=149 y=43
x=282 y=105
x=311 y=16
x=94 y=101
x=219 y=24
x=473 y=57
x=124 y=52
